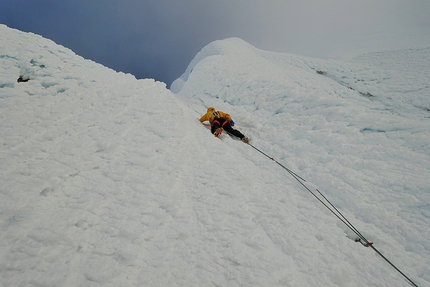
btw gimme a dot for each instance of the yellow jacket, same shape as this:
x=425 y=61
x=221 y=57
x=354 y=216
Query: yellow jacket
x=211 y=114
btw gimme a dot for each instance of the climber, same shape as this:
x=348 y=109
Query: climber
x=220 y=121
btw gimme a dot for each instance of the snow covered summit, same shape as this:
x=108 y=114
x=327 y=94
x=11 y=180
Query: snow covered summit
x=111 y=181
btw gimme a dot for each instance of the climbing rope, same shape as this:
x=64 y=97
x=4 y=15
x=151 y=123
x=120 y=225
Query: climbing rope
x=361 y=239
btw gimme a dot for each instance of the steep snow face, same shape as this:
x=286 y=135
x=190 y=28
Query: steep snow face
x=111 y=181
x=87 y=156
x=358 y=129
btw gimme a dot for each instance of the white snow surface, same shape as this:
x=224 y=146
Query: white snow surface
x=106 y=180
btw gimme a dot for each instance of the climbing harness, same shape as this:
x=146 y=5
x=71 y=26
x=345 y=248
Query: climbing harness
x=361 y=239
x=219 y=124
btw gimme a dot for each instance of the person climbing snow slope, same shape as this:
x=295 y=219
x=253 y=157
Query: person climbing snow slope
x=219 y=121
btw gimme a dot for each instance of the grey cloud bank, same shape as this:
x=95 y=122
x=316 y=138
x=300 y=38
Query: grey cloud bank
x=158 y=39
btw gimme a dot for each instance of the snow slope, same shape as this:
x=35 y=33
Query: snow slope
x=111 y=181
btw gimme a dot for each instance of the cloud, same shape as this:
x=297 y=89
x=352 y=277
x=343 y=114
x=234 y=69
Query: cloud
x=157 y=39
x=318 y=28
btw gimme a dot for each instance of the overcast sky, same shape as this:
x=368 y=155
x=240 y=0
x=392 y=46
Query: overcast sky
x=158 y=38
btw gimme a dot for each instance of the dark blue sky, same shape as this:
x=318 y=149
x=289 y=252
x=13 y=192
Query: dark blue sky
x=158 y=39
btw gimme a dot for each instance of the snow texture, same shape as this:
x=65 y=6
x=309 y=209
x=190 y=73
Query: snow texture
x=111 y=181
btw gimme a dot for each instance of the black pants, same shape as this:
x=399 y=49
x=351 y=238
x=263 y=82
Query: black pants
x=225 y=124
